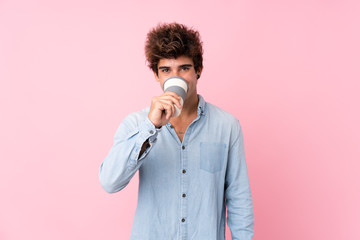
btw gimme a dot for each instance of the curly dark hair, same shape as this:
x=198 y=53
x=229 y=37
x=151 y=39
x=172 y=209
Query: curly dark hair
x=172 y=40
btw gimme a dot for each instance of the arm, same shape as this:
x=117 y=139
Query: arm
x=237 y=192
x=132 y=142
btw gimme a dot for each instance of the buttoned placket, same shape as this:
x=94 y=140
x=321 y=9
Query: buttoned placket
x=184 y=181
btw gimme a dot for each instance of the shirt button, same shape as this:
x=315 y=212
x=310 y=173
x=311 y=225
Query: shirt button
x=183 y=220
x=184 y=171
x=184 y=195
x=151 y=131
x=183 y=147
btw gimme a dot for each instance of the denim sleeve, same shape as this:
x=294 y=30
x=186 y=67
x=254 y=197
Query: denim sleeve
x=237 y=192
x=123 y=160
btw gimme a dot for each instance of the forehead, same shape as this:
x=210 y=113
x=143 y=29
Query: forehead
x=174 y=62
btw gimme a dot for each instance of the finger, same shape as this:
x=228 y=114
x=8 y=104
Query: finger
x=169 y=109
x=164 y=106
x=174 y=100
x=168 y=112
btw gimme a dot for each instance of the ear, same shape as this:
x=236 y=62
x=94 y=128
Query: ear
x=199 y=72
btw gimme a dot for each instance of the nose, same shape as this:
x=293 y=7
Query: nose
x=175 y=73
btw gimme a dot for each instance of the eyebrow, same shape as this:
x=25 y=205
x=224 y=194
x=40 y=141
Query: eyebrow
x=163 y=67
x=183 y=65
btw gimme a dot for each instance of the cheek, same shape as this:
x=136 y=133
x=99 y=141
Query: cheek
x=162 y=84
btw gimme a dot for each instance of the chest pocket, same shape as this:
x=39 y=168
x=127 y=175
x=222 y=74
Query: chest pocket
x=212 y=156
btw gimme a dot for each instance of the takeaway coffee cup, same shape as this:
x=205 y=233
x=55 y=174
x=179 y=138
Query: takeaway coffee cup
x=177 y=85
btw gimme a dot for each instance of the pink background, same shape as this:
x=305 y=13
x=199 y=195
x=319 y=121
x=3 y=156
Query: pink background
x=70 y=71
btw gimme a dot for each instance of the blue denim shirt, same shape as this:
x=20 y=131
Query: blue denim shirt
x=184 y=187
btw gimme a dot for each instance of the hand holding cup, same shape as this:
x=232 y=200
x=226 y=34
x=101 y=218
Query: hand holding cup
x=170 y=103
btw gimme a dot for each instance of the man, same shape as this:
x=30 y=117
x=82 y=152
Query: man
x=191 y=167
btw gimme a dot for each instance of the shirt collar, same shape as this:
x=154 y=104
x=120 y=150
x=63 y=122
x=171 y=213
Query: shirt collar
x=201 y=106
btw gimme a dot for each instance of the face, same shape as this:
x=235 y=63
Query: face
x=182 y=67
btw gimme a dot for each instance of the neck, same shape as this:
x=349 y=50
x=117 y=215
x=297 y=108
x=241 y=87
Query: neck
x=190 y=106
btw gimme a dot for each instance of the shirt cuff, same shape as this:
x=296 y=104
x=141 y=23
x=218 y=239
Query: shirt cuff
x=147 y=130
